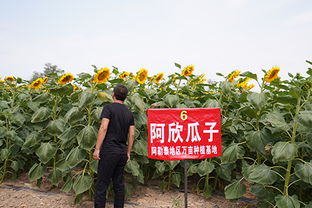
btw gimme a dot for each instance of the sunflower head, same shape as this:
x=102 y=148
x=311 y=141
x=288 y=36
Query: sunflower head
x=233 y=75
x=244 y=84
x=68 y=77
x=36 y=84
x=10 y=78
x=124 y=75
x=101 y=76
x=75 y=87
x=249 y=87
x=45 y=79
x=142 y=76
x=188 y=71
x=158 y=77
x=272 y=74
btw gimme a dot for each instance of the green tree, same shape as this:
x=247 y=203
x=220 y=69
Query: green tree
x=49 y=70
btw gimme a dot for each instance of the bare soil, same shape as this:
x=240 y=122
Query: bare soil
x=24 y=194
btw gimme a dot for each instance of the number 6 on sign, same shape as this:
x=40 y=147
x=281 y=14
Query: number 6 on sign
x=183 y=115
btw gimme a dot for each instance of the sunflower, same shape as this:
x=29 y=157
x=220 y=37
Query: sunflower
x=101 y=76
x=244 y=84
x=45 y=79
x=65 y=79
x=201 y=79
x=1 y=81
x=36 y=84
x=233 y=75
x=124 y=75
x=272 y=74
x=158 y=77
x=10 y=78
x=188 y=71
x=142 y=76
x=249 y=87
x=75 y=87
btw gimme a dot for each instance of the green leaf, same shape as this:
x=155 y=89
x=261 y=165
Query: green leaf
x=260 y=192
x=249 y=74
x=140 y=147
x=85 y=98
x=40 y=115
x=82 y=184
x=56 y=127
x=205 y=168
x=46 y=152
x=177 y=65
x=18 y=119
x=258 y=100
x=105 y=97
x=4 y=154
x=55 y=177
x=133 y=167
x=160 y=167
x=68 y=185
x=305 y=118
x=284 y=151
x=36 y=172
x=283 y=201
x=211 y=103
x=257 y=140
x=261 y=174
x=4 y=105
x=62 y=90
x=140 y=119
x=234 y=190
x=140 y=177
x=74 y=157
x=14 y=165
x=94 y=165
x=309 y=72
x=192 y=169
x=67 y=136
x=87 y=138
x=277 y=120
x=304 y=172
x=232 y=153
x=309 y=62
x=62 y=165
x=73 y=115
x=172 y=164
x=138 y=102
x=42 y=98
x=171 y=100
x=176 y=179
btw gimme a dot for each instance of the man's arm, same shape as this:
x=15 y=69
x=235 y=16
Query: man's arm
x=130 y=140
x=100 y=138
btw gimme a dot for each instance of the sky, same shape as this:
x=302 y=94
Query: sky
x=213 y=35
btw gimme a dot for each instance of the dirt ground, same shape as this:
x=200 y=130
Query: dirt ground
x=24 y=194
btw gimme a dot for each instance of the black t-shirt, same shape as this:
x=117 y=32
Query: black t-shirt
x=120 y=119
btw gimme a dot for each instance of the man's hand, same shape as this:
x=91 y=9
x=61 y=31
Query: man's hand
x=96 y=154
x=128 y=154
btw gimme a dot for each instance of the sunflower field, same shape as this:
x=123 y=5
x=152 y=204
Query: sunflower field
x=48 y=129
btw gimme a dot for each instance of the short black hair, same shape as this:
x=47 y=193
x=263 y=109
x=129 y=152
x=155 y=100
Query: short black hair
x=120 y=92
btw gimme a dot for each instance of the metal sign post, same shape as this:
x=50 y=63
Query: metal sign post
x=185 y=183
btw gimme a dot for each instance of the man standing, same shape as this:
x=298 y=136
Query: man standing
x=111 y=148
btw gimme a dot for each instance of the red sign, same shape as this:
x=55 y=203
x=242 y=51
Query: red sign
x=178 y=134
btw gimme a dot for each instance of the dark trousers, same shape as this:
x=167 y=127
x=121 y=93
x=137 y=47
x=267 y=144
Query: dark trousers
x=111 y=167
